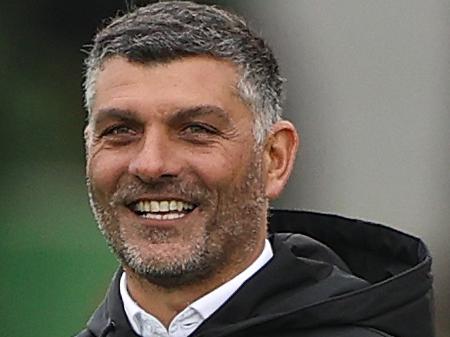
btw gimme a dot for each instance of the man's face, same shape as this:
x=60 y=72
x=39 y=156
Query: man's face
x=176 y=180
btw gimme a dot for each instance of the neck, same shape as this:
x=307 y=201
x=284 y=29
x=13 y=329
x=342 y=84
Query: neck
x=166 y=303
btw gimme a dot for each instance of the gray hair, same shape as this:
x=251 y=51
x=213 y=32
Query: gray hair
x=170 y=30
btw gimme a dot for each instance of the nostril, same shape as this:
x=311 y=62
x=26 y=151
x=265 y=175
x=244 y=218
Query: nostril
x=168 y=175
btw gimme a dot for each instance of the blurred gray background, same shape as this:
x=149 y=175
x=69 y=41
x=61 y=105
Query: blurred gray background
x=368 y=87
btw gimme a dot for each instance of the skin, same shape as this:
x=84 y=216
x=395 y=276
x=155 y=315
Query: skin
x=180 y=131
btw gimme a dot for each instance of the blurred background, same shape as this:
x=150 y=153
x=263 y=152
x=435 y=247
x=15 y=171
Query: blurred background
x=368 y=88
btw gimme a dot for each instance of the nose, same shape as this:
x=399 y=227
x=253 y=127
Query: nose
x=155 y=157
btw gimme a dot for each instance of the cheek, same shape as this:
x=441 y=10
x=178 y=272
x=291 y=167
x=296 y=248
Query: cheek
x=104 y=170
x=221 y=169
x=214 y=173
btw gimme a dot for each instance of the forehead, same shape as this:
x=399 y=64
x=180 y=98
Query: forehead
x=190 y=81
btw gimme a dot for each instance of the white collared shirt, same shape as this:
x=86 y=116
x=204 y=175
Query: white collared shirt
x=146 y=325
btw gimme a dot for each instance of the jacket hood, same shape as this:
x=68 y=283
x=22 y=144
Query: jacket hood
x=327 y=271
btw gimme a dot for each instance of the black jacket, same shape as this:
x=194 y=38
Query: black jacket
x=329 y=277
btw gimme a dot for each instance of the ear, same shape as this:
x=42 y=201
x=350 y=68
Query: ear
x=280 y=151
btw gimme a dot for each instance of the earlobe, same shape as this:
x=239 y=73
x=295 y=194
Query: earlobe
x=281 y=149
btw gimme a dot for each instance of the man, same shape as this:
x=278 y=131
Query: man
x=185 y=147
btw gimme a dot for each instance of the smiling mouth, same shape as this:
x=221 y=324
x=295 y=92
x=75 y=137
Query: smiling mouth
x=161 y=209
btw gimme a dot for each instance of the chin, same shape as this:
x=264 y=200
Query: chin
x=169 y=264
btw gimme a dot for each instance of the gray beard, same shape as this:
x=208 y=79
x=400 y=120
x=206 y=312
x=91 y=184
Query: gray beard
x=240 y=214
x=176 y=273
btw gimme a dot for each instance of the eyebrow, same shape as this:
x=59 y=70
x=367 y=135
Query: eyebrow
x=113 y=113
x=175 y=116
x=199 y=111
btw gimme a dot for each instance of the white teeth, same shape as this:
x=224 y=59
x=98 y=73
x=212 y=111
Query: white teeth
x=173 y=205
x=167 y=216
x=151 y=208
x=163 y=206
x=171 y=216
x=154 y=206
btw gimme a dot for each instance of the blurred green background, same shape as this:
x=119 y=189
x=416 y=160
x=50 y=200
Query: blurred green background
x=55 y=265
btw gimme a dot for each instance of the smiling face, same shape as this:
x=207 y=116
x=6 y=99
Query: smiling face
x=176 y=181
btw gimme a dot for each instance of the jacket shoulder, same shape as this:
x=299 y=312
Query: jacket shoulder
x=343 y=331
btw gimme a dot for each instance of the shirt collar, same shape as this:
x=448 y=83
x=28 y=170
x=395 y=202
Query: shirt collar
x=212 y=301
x=202 y=308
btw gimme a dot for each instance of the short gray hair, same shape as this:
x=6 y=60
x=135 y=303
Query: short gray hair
x=170 y=30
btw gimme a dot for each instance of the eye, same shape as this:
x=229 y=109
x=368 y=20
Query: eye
x=117 y=130
x=199 y=128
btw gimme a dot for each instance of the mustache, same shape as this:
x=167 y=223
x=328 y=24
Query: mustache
x=132 y=189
